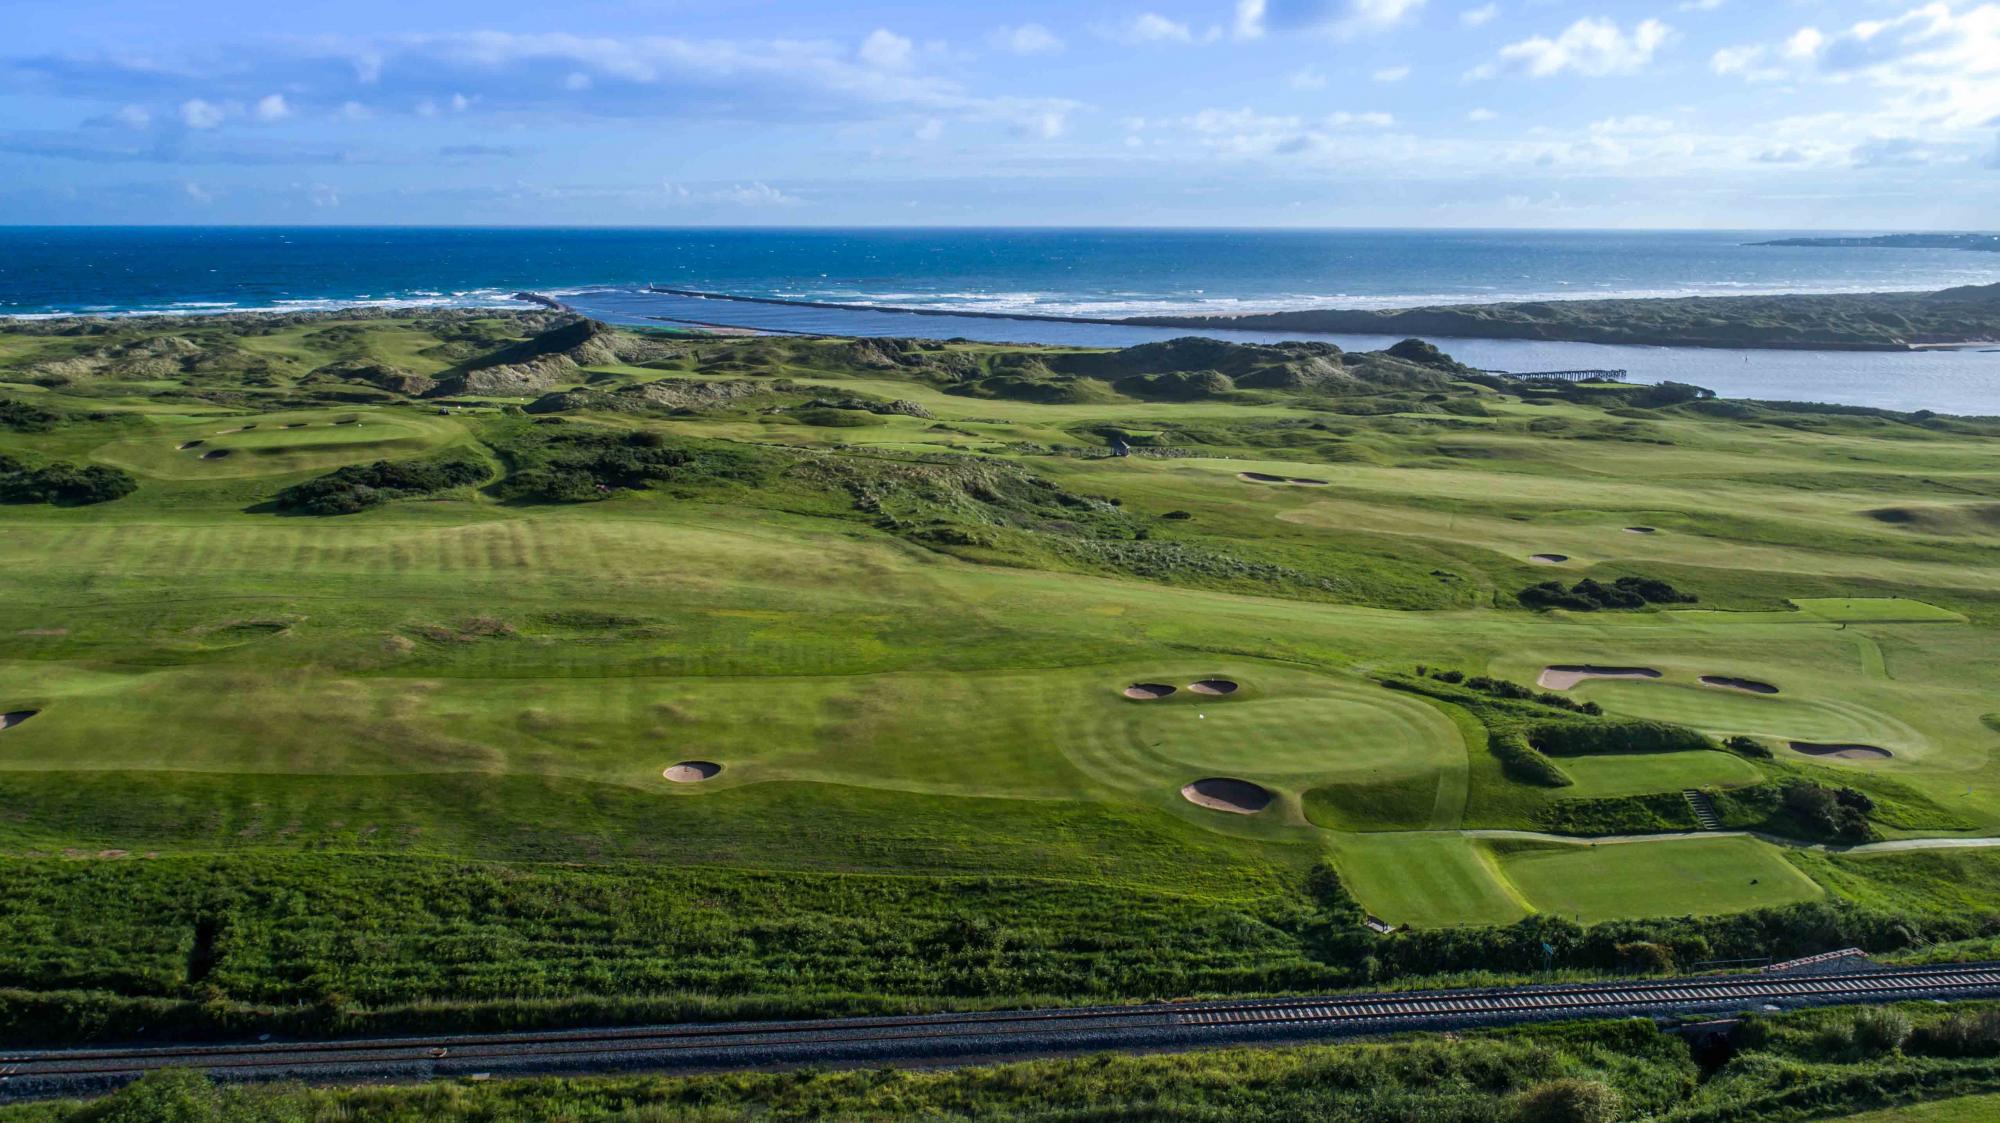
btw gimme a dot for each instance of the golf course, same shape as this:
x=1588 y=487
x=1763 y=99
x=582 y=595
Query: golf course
x=494 y=669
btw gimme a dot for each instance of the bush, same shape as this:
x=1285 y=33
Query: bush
x=1568 y=1101
x=1503 y=688
x=1881 y=1029
x=1589 y=595
x=1747 y=746
x=26 y=417
x=172 y=1095
x=1975 y=1034
x=65 y=485
x=1520 y=761
x=358 y=487
x=1842 y=814
x=1577 y=738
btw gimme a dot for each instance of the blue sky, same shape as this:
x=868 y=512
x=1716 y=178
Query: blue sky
x=1662 y=113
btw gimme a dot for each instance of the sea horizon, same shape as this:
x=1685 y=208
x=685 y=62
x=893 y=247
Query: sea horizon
x=1102 y=271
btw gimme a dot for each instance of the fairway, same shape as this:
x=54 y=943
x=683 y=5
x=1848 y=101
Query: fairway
x=1428 y=880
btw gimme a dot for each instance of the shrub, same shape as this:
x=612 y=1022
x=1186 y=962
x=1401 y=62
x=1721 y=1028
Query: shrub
x=65 y=485
x=26 y=417
x=1974 y=1034
x=1578 y=738
x=1520 y=761
x=1646 y=956
x=1568 y=1101
x=172 y=1095
x=1823 y=810
x=1589 y=595
x=358 y=487
x=1881 y=1029
x=1747 y=746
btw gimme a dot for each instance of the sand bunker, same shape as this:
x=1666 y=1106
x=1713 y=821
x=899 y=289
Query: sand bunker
x=1549 y=559
x=185 y=445
x=1148 y=691
x=1749 y=685
x=1842 y=752
x=692 y=771
x=1215 y=686
x=1267 y=478
x=1640 y=530
x=215 y=454
x=1562 y=676
x=1220 y=793
x=9 y=721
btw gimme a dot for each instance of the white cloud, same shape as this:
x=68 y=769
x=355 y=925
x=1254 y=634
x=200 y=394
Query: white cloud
x=1592 y=47
x=1152 y=27
x=1700 y=5
x=930 y=130
x=1804 y=43
x=1345 y=120
x=1027 y=39
x=1255 y=18
x=1937 y=68
x=1249 y=19
x=355 y=111
x=1391 y=74
x=758 y=194
x=196 y=192
x=133 y=116
x=577 y=81
x=1306 y=79
x=1481 y=115
x=886 y=49
x=1748 y=62
x=323 y=195
x=1636 y=124
x=1480 y=16
x=460 y=103
x=199 y=114
x=271 y=107
x=1047 y=124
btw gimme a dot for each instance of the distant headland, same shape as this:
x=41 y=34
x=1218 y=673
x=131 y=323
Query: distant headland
x=1989 y=243
x=1879 y=321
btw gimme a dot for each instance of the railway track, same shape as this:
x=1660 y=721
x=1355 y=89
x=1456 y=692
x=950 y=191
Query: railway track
x=944 y=1038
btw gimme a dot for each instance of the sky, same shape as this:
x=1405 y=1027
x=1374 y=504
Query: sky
x=1735 y=114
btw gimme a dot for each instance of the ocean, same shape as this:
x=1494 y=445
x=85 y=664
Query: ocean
x=55 y=270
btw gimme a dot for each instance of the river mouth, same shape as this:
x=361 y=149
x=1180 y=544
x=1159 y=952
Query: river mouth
x=1957 y=380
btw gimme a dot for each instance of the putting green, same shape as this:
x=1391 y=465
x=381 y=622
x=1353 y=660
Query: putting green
x=1877 y=610
x=1805 y=715
x=1602 y=777
x=1692 y=877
